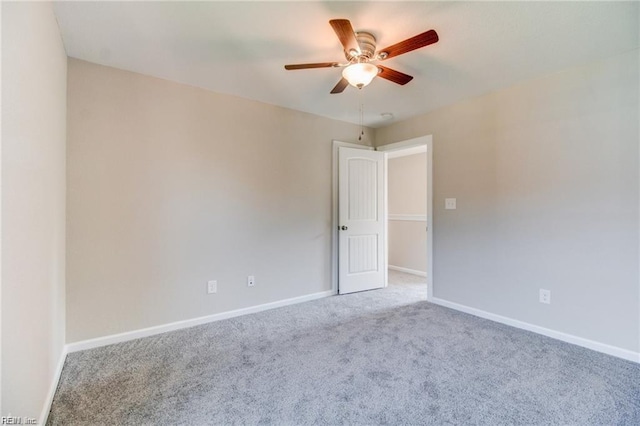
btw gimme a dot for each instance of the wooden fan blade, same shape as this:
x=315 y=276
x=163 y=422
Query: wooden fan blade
x=393 y=75
x=413 y=43
x=342 y=84
x=345 y=34
x=307 y=66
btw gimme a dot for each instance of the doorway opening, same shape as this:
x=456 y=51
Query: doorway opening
x=409 y=215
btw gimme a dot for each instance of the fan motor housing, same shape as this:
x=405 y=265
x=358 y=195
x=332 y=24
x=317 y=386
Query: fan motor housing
x=367 y=43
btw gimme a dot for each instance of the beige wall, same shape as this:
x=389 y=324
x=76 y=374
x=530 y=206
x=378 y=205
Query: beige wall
x=34 y=79
x=546 y=178
x=407 y=185
x=408 y=245
x=170 y=186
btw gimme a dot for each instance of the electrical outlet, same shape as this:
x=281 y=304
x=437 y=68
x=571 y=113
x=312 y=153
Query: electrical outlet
x=212 y=286
x=450 y=203
x=545 y=296
x=251 y=281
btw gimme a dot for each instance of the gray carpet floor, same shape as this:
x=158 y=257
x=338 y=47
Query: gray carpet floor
x=377 y=357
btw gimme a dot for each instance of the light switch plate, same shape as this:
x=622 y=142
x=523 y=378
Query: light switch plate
x=450 y=203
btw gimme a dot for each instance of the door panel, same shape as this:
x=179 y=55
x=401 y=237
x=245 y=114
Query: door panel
x=361 y=195
x=363 y=253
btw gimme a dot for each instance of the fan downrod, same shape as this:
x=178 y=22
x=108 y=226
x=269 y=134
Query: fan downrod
x=367 y=43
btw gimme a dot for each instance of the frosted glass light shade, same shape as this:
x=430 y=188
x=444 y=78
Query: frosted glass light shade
x=359 y=75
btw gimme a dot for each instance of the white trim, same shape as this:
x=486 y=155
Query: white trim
x=405 y=145
x=42 y=420
x=409 y=143
x=407 y=270
x=385 y=214
x=334 y=209
x=569 y=338
x=178 y=325
x=408 y=151
x=408 y=217
x=430 y=217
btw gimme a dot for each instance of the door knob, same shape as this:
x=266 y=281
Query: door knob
x=344 y=228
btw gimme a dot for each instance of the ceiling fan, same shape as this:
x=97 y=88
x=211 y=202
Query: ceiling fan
x=360 y=51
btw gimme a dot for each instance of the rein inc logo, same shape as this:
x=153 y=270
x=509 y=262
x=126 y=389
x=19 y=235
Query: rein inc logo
x=16 y=420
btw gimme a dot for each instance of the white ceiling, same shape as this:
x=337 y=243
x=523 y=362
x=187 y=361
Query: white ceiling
x=240 y=48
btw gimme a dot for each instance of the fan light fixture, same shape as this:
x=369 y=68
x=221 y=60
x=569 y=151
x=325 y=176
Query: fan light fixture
x=360 y=49
x=360 y=74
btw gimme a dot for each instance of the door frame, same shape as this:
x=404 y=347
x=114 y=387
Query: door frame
x=334 y=209
x=412 y=143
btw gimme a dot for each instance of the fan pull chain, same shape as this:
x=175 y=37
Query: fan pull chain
x=360 y=120
x=361 y=129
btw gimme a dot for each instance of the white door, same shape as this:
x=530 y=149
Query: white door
x=361 y=220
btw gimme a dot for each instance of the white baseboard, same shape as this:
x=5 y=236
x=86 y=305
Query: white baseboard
x=42 y=420
x=150 y=331
x=569 y=338
x=407 y=270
